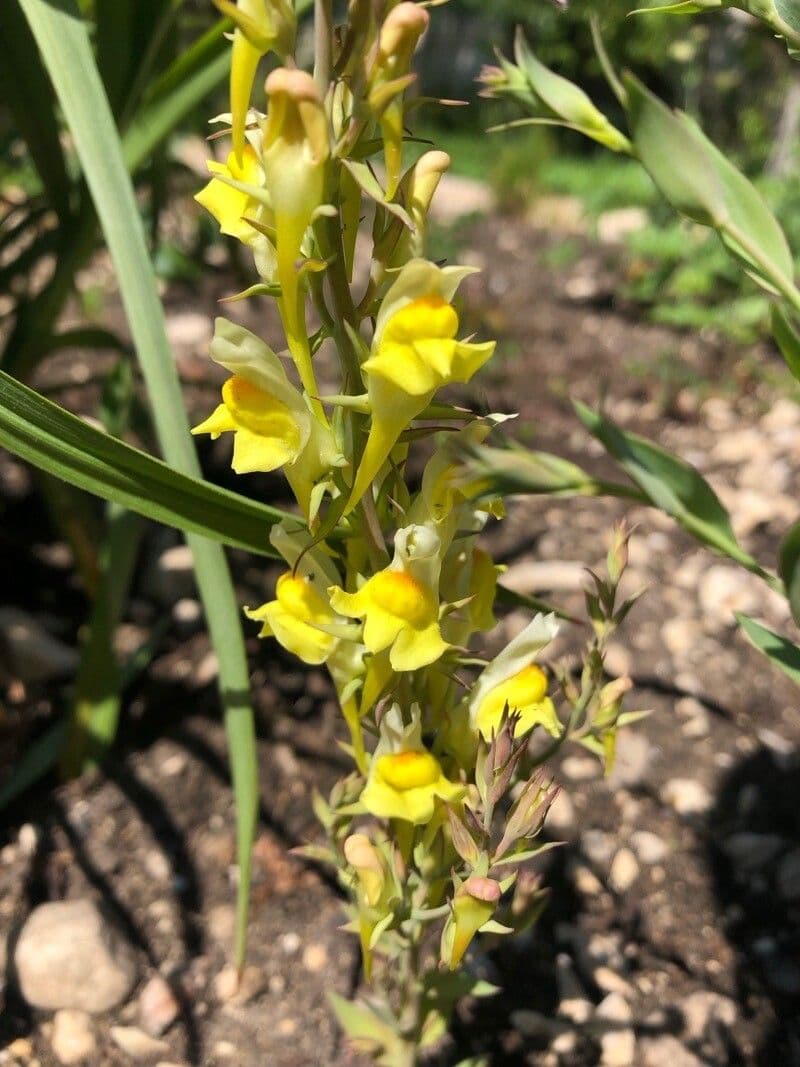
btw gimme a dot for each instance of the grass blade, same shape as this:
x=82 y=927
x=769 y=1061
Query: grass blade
x=63 y=445
x=64 y=43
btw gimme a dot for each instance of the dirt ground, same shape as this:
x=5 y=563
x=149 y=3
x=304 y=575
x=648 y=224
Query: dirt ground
x=672 y=927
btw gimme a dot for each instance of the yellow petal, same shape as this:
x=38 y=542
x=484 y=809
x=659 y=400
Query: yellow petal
x=252 y=452
x=306 y=642
x=417 y=648
x=381 y=629
x=219 y=421
x=244 y=64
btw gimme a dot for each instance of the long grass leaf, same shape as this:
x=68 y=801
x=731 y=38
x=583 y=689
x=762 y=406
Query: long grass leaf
x=61 y=444
x=64 y=42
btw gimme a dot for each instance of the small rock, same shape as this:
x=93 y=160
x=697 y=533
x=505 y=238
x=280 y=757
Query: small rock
x=69 y=956
x=611 y=982
x=137 y=1044
x=687 y=796
x=171 y=577
x=633 y=760
x=748 y=851
x=702 y=1008
x=534 y=1024
x=581 y=768
x=788 y=878
x=666 y=1051
x=598 y=847
x=187 y=614
x=680 y=635
x=315 y=958
x=28 y=839
x=551 y=576
x=32 y=654
x=230 y=986
x=624 y=871
x=72 y=1040
x=565 y=1044
x=158 y=1007
x=586 y=881
x=561 y=815
x=649 y=847
x=723 y=591
x=618 y=223
x=617 y=1039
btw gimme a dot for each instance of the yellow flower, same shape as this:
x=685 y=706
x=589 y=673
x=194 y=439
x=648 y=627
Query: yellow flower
x=405 y=780
x=228 y=205
x=400 y=604
x=515 y=681
x=300 y=617
x=261 y=26
x=414 y=353
x=271 y=421
x=294 y=619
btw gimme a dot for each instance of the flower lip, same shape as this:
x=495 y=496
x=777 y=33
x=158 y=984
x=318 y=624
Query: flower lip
x=400 y=594
x=254 y=409
x=409 y=770
x=299 y=597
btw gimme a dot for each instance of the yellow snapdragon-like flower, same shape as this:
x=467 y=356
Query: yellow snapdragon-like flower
x=400 y=604
x=272 y=424
x=228 y=205
x=405 y=779
x=513 y=680
x=300 y=617
x=414 y=353
x=295 y=617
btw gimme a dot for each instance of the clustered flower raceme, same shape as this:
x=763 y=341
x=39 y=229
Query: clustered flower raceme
x=412 y=832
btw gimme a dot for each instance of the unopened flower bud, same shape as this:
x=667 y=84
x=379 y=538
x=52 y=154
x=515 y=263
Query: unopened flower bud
x=462 y=839
x=473 y=906
x=362 y=855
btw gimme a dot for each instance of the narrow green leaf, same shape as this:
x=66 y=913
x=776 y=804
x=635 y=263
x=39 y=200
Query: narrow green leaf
x=783 y=653
x=55 y=441
x=98 y=689
x=64 y=43
x=37 y=760
x=702 y=184
x=789 y=568
x=787 y=339
x=671 y=484
x=789 y=11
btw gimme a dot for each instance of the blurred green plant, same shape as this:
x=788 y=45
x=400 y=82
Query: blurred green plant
x=704 y=187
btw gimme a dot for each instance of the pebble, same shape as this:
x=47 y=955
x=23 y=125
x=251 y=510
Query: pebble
x=680 y=635
x=666 y=1051
x=136 y=1043
x=788 y=877
x=633 y=760
x=585 y=880
x=552 y=576
x=158 y=1007
x=611 y=982
x=687 y=796
x=624 y=871
x=598 y=846
x=581 y=768
x=561 y=816
x=724 y=590
x=649 y=847
x=72 y=1039
x=69 y=956
x=31 y=653
x=748 y=851
x=702 y=1008
x=187 y=614
x=171 y=576
x=229 y=986
x=315 y=958
x=618 y=1041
